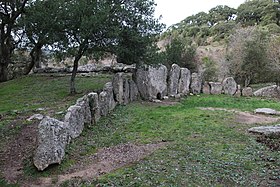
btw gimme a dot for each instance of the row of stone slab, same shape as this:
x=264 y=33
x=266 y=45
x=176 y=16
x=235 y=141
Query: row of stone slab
x=55 y=135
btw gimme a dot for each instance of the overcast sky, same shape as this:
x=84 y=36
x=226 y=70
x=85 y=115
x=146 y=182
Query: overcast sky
x=174 y=11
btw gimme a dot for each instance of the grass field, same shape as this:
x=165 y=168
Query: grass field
x=205 y=148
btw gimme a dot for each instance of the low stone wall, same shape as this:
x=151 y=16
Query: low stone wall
x=151 y=83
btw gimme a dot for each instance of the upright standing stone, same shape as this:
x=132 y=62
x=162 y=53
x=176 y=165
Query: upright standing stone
x=84 y=104
x=173 y=80
x=196 y=83
x=247 y=92
x=74 y=120
x=133 y=91
x=184 y=81
x=238 y=92
x=125 y=91
x=94 y=107
x=216 y=88
x=104 y=103
x=229 y=86
x=206 y=88
x=118 y=87
x=52 y=141
x=110 y=94
x=152 y=82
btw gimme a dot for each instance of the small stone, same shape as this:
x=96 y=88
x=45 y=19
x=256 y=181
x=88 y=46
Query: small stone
x=266 y=130
x=36 y=116
x=267 y=111
x=247 y=92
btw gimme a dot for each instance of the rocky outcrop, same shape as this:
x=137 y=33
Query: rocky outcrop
x=173 y=80
x=196 y=83
x=270 y=91
x=52 y=140
x=184 y=81
x=229 y=86
x=216 y=88
x=247 y=92
x=151 y=82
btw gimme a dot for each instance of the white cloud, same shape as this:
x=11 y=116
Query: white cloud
x=176 y=10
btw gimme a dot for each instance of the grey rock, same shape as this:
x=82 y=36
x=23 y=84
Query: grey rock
x=266 y=130
x=270 y=91
x=133 y=91
x=196 y=83
x=118 y=87
x=247 y=92
x=229 y=86
x=52 y=141
x=184 y=81
x=206 y=88
x=94 y=107
x=216 y=88
x=126 y=89
x=173 y=80
x=84 y=104
x=110 y=94
x=35 y=116
x=267 y=111
x=87 y=68
x=238 y=92
x=104 y=103
x=74 y=120
x=129 y=68
x=152 y=82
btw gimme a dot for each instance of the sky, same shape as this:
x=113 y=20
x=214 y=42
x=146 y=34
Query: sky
x=174 y=11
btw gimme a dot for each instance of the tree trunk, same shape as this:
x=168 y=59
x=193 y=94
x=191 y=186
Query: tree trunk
x=79 y=55
x=35 y=58
x=3 y=72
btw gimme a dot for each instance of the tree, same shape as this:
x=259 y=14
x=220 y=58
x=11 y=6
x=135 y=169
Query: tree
x=246 y=55
x=95 y=27
x=273 y=54
x=221 y=13
x=10 y=11
x=43 y=25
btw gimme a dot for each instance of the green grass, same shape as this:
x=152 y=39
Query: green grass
x=207 y=148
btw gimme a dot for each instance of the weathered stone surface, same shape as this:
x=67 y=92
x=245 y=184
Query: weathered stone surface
x=238 y=92
x=267 y=111
x=206 y=88
x=35 y=116
x=94 y=107
x=266 y=130
x=229 y=86
x=152 y=82
x=125 y=91
x=118 y=87
x=247 y=92
x=52 y=141
x=184 y=81
x=104 y=103
x=216 y=88
x=74 y=120
x=133 y=91
x=84 y=104
x=110 y=94
x=270 y=91
x=196 y=83
x=173 y=80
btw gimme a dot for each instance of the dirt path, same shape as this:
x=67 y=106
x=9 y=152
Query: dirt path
x=246 y=117
x=104 y=161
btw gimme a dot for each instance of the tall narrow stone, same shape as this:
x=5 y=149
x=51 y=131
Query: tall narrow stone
x=184 y=81
x=104 y=103
x=125 y=91
x=173 y=80
x=74 y=120
x=110 y=94
x=133 y=91
x=118 y=87
x=94 y=107
x=196 y=83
